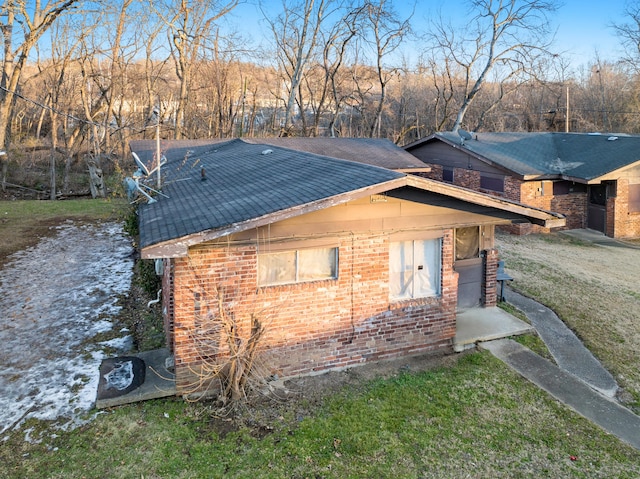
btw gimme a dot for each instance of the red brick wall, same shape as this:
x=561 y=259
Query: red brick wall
x=434 y=174
x=312 y=326
x=537 y=194
x=621 y=223
x=490 y=283
x=574 y=207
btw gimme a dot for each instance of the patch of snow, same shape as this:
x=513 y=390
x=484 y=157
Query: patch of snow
x=123 y=344
x=55 y=297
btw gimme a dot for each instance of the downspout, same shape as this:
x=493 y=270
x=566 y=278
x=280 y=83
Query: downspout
x=155 y=301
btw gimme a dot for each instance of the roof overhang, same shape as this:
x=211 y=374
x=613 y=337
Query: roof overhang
x=515 y=212
x=612 y=175
x=537 y=216
x=178 y=247
x=426 y=169
x=478 y=156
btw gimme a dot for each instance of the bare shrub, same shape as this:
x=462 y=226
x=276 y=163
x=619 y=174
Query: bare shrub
x=228 y=351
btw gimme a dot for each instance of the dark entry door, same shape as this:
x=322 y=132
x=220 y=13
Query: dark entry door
x=470 y=272
x=469 y=266
x=597 y=210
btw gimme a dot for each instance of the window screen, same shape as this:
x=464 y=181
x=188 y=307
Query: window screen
x=414 y=269
x=467 y=242
x=297 y=266
x=634 y=198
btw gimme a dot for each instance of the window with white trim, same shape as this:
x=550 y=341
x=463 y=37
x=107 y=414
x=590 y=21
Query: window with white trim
x=297 y=266
x=415 y=268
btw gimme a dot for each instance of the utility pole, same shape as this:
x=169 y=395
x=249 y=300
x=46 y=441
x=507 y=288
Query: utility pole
x=159 y=184
x=566 y=117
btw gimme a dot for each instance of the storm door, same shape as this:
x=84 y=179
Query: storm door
x=469 y=266
x=597 y=210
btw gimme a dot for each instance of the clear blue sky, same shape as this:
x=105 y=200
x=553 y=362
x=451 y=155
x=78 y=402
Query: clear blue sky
x=583 y=26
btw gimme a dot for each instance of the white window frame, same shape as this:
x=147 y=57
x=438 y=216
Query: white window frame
x=298 y=274
x=421 y=274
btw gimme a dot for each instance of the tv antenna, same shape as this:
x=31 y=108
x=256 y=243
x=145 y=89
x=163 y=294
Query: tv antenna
x=134 y=184
x=464 y=135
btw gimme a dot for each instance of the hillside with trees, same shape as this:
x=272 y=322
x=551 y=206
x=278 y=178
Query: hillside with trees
x=81 y=79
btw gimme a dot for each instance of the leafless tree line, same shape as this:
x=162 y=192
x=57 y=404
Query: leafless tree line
x=86 y=77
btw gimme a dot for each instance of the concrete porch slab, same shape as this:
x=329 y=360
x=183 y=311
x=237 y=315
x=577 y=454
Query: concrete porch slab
x=485 y=324
x=158 y=381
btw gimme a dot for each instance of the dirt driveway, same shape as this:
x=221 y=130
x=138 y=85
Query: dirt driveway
x=57 y=301
x=595 y=289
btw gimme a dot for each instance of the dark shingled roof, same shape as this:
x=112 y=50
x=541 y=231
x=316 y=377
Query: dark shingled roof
x=568 y=155
x=372 y=151
x=243 y=182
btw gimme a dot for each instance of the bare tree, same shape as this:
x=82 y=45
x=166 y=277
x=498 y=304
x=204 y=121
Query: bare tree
x=189 y=24
x=388 y=32
x=32 y=21
x=333 y=58
x=505 y=36
x=629 y=34
x=296 y=32
x=55 y=73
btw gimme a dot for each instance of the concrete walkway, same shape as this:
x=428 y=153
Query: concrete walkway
x=598 y=238
x=565 y=347
x=578 y=380
x=485 y=324
x=568 y=389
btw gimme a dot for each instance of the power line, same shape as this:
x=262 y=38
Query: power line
x=68 y=115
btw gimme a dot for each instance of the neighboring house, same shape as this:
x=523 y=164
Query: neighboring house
x=594 y=180
x=344 y=261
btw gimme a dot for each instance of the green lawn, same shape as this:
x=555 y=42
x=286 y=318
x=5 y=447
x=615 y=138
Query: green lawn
x=475 y=419
x=472 y=419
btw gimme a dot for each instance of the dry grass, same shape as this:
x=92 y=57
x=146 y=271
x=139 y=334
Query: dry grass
x=23 y=223
x=594 y=289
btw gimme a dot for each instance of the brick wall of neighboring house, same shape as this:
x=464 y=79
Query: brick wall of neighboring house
x=434 y=174
x=466 y=178
x=574 y=207
x=312 y=326
x=513 y=188
x=620 y=222
x=540 y=195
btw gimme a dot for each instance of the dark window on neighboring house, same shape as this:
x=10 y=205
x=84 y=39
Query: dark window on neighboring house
x=566 y=187
x=492 y=182
x=447 y=175
x=634 y=198
x=598 y=194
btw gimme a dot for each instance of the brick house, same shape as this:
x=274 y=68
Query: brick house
x=346 y=262
x=592 y=179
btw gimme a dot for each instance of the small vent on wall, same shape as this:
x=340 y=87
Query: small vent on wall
x=378 y=199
